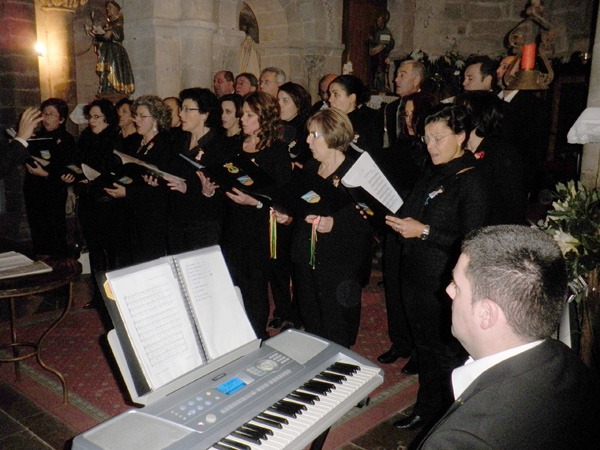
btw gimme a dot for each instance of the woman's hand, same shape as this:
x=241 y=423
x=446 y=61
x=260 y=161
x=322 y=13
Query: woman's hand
x=325 y=223
x=36 y=169
x=118 y=192
x=150 y=180
x=208 y=187
x=176 y=184
x=408 y=228
x=241 y=198
x=67 y=178
x=282 y=218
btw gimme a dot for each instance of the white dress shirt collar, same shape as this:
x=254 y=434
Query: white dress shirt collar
x=463 y=376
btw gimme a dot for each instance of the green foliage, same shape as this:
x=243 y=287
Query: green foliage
x=574 y=223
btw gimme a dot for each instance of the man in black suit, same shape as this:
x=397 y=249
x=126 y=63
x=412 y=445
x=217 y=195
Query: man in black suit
x=526 y=124
x=520 y=388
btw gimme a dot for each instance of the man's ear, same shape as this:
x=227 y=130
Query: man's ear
x=489 y=79
x=488 y=313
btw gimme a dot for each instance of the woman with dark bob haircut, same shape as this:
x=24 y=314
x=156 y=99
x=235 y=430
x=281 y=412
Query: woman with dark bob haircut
x=100 y=215
x=295 y=104
x=328 y=270
x=497 y=158
x=147 y=204
x=247 y=233
x=348 y=94
x=194 y=220
x=447 y=202
x=45 y=185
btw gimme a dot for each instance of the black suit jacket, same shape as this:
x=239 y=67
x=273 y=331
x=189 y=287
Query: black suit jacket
x=541 y=399
x=12 y=154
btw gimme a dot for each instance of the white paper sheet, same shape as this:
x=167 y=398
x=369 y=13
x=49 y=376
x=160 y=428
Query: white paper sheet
x=154 y=313
x=366 y=174
x=221 y=318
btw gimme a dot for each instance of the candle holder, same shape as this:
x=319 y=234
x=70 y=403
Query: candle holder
x=531 y=40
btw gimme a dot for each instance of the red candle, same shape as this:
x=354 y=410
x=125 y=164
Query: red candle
x=528 y=58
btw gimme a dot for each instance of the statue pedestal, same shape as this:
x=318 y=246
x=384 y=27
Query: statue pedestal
x=114 y=97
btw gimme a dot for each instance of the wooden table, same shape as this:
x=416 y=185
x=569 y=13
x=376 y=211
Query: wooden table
x=64 y=271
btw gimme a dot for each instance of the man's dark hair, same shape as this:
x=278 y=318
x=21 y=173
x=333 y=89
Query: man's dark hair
x=486 y=112
x=250 y=77
x=523 y=271
x=228 y=75
x=488 y=66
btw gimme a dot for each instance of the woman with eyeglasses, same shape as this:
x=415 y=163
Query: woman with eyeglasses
x=248 y=230
x=147 y=203
x=194 y=220
x=446 y=203
x=100 y=215
x=330 y=240
x=45 y=186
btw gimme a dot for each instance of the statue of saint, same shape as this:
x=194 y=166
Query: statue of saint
x=112 y=65
x=381 y=43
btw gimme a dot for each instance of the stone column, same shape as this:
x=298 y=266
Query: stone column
x=590 y=163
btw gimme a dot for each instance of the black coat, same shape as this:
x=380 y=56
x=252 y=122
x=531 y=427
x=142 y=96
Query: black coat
x=541 y=399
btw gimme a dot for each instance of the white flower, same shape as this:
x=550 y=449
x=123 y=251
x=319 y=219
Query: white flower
x=565 y=241
x=456 y=73
x=417 y=55
x=459 y=63
x=433 y=59
x=560 y=206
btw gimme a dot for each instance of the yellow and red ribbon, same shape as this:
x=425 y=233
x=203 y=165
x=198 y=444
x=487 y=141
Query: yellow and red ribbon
x=313 y=242
x=272 y=234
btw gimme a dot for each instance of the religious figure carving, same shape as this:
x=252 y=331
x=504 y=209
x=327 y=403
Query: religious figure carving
x=112 y=65
x=381 y=43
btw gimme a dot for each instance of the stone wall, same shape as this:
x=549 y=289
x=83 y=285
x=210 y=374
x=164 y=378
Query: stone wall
x=480 y=26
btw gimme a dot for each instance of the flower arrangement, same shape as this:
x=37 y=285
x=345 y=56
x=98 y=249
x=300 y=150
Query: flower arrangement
x=574 y=223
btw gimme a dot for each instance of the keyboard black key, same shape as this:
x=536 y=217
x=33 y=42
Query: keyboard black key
x=318 y=387
x=301 y=398
x=246 y=437
x=235 y=444
x=273 y=418
x=282 y=411
x=264 y=431
x=346 y=369
x=294 y=406
x=253 y=434
x=331 y=377
x=222 y=447
x=271 y=423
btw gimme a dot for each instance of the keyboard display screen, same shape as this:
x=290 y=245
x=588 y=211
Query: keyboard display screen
x=232 y=386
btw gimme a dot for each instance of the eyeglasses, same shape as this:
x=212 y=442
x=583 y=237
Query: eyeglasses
x=315 y=134
x=267 y=82
x=186 y=109
x=44 y=114
x=139 y=116
x=95 y=116
x=434 y=140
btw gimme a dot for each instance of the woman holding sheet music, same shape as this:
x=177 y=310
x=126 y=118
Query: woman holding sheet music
x=446 y=203
x=330 y=240
x=147 y=204
x=249 y=234
x=194 y=220
x=45 y=187
x=100 y=215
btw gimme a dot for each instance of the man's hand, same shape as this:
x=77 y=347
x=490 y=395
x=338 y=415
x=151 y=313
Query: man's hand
x=29 y=120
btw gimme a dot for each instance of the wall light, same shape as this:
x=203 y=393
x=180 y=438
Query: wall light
x=40 y=49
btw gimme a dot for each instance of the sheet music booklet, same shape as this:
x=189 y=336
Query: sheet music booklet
x=174 y=316
x=371 y=190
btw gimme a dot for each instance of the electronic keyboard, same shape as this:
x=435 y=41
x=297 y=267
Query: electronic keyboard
x=282 y=395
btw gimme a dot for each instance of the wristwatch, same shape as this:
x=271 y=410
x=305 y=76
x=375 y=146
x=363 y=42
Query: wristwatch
x=425 y=233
